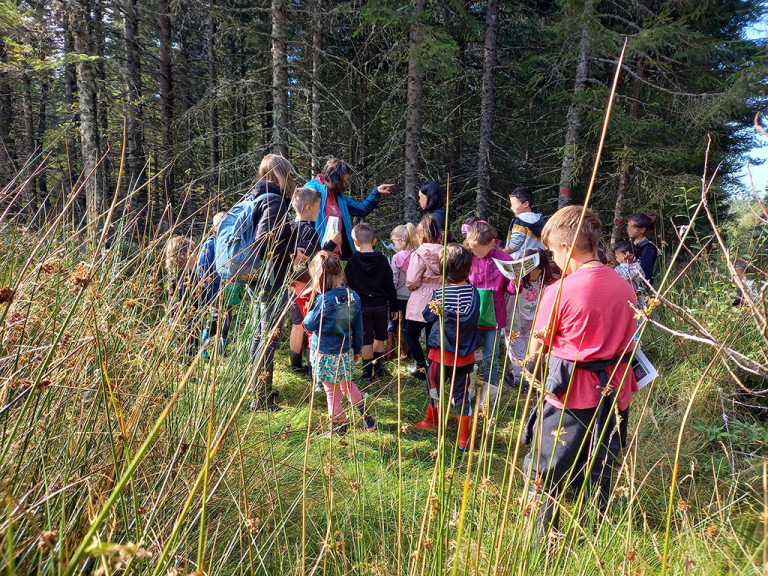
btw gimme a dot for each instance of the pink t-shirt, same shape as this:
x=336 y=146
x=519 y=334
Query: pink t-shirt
x=595 y=321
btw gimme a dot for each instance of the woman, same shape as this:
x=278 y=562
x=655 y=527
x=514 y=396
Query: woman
x=337 y=209
x=432 y=202
x=273 y=191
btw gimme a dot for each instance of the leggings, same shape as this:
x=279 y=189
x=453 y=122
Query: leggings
x=333 y=393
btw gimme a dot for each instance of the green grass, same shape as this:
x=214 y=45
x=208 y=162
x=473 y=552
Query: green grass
x=93 y=380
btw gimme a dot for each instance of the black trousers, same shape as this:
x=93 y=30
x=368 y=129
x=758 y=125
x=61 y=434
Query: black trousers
x=562 y=451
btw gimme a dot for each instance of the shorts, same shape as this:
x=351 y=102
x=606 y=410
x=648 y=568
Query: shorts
x=332 y=368
x=374 y=325
x=233 y=294
x=297 y=318
x=394 y=325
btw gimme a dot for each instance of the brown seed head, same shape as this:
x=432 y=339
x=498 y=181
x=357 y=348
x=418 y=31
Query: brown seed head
x=6 y=294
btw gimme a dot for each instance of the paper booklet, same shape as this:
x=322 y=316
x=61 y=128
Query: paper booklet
x=331 y=229
x=645 y=372
x=516 y=269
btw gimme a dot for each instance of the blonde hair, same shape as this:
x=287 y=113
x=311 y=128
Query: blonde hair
x=561 y=229
x=406 y=233
x=177 y=253
x=276 y=169
x=217 y=220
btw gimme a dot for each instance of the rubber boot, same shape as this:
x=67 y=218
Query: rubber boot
x=465 y=428
x=203 y=340
x=430 y=420
x=258 y=405
x=297 y=364
x=222 y=347
x=368 y=421
x=378 y=365
x=367 y=370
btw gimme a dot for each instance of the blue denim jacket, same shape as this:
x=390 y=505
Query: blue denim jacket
x=336 y=320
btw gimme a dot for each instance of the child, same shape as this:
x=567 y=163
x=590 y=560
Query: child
x=626 y=267
x=207 y=275
x=645 y=251
x=180 y=275
x=336 y=322
x=588 y=337
x=306 y=204
x=368 y=273
x=493 y=287
x=424 y=275
x=525 y=229
x=528 y=289
x=405 y=241
x=741 y=269
x=459 y=337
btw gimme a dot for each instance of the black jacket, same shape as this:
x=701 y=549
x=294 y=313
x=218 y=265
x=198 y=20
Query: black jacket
x=272 y=218
x=304 y=235
x=460 y=317
x=646 y=253
x=438 y=215
x=369 y=274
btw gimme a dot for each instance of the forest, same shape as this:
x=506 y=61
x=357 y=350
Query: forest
x=125 y=124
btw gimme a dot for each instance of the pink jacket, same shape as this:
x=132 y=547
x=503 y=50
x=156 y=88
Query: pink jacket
x=486 y=275
x=423 y=276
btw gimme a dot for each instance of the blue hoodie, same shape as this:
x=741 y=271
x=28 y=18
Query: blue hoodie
x=347 y=207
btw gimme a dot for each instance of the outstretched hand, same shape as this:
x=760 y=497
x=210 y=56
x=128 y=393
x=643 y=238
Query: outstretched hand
x=384 y=188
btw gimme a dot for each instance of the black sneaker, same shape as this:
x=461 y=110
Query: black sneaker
x=510 y=383
x=419 y=372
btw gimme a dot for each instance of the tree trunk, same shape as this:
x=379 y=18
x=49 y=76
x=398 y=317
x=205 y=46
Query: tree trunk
x=213 y=112
x=618 y=230
x=87 y=90
x=70 y=96
x=186 y=105
x=102 y=97
x=454 y=162
x=7 y=144
x=166 y=95
x=573 y=117
x=317 y=47
x=486 y=111
x=42 y=126
x=134 y=106
x=413 y=117
x=279 y=79
x=619 y=223
x=29 y=133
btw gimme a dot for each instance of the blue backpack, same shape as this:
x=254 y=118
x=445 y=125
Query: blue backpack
x=237 y=250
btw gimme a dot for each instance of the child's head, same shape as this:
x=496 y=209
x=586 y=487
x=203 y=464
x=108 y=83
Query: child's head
x=326 y=271
x=178 y=253
x=430 y=198
x=623 y=252
x=364 y=235
x=543 y=270
x=306 y=203
x=466 y=226
x=404 y=237
x=217 y=219
x=481 y=238
x=559 y=234
x=521 y=200
x=336 y=174
x=458 y=263
x=276 y=169
x=428 y=231
x=741 y=266
x=640 y=224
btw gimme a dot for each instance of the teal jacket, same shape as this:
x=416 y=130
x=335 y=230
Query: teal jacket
x=347 y=207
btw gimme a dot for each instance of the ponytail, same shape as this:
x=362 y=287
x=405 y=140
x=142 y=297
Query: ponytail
x=643 y=220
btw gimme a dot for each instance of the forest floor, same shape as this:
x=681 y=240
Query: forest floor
x=119 y=453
